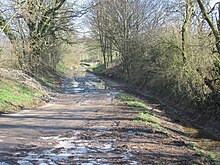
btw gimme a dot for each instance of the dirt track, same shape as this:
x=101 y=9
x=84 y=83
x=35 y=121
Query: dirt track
x=87 y=125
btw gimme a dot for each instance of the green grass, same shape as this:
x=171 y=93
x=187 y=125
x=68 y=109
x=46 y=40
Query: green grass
x=94 y=68
x=135 y=104
x=144 y=114
x=147 y=117
x=130 y=100
x=98 y=69
x=125 y=97
x=206 y=154
x=61 y=67
x=15 y=95
x=48 y=81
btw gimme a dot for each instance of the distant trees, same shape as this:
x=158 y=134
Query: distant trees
x=119 y=27
x=37 y=29
x=170 y=46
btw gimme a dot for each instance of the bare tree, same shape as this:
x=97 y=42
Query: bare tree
x=189 y=9
x=41 y=27
x=215 y=28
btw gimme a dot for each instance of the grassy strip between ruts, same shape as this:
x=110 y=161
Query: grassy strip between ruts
x=145 y=116
x=211 y=156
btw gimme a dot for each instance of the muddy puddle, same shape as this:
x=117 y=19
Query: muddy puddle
x=86 y=83
x=86 y=126
x=203 y=139
x=89 y=148
x=79 y=148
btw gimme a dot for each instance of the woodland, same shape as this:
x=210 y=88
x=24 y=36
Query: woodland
x=109 y=82
x=170 y=47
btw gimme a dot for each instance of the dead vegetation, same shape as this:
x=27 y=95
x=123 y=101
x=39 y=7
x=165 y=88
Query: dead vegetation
x=18 y=91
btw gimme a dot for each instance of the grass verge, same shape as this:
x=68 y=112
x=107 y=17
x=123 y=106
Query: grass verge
x=18 y=90
x=15 y=95
x=125 y=97
x=144 y=114
x=52 y=79
x=94 y=67
x=61 y=67
x=207 y=155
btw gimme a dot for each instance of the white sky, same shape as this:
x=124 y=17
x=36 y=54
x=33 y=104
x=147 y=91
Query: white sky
x=213 y=2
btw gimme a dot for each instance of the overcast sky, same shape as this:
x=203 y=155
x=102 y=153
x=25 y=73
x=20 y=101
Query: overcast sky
x=213 y=2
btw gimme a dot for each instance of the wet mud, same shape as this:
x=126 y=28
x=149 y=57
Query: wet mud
x=87 y=125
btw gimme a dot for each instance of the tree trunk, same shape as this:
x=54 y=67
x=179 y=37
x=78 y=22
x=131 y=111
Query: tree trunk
x=189 y=11
x=211 y=25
